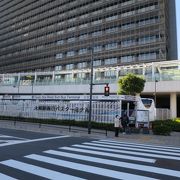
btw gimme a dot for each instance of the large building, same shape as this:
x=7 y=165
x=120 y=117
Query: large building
x=43 y=35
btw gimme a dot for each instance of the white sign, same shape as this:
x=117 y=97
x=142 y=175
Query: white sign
x=75 y=97
x=142 y=116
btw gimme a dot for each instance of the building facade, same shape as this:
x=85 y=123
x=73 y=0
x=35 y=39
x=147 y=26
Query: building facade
x=43 y=35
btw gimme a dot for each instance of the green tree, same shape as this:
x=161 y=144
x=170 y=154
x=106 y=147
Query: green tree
x=131 y=84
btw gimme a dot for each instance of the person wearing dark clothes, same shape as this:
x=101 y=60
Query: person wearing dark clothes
x=124 y=122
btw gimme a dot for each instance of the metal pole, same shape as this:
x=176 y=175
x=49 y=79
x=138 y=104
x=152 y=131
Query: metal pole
x=91 y=89
x=155 y=92
x=18 y=86
x=32 y=86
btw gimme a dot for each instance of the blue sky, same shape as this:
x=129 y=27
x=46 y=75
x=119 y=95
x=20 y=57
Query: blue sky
x=178 y=25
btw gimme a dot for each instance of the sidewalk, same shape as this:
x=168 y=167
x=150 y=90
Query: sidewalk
x=173 y=140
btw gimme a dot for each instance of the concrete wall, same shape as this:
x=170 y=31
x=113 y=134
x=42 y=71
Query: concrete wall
x=161 y=87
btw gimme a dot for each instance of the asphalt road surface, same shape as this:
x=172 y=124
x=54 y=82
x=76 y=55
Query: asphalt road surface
x=28 y=155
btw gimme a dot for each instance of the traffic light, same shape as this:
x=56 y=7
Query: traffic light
x=106 y=90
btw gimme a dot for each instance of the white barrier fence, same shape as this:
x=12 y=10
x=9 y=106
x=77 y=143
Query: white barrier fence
x=163 y=114
x=102 y=111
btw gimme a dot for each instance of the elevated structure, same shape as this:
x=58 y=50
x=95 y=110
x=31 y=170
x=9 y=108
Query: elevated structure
x=162 y=82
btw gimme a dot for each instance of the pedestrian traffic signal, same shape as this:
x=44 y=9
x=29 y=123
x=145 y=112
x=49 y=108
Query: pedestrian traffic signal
x=106 y=90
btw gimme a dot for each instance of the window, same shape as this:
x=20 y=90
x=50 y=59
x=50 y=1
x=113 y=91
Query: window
x=59 y=56
x=111 y=46
x=71 y=29
x=81 y=75
x=71 y=20
x=97 y=33
x=97 y=48
x=110 y=74
x=110 y=61
x=83 y=51
x=60 y=32
x=127 y=2
x=148 y=21
x=58 y=68
x=129 y=13
x=128 y=26
x=97 y=22
x=125 y=59
x=60 y=42
x=147 y=39
x=70 y=53
x=128 y=43
x=112 y=30
x=68 y=76
x=69 y=66
x=97 y=63
x=83 y=26
x=145 y=9
x=112 y=7
x=83 y=36
x=82 y=65
x=110 y=18
x=147 y=56
x=72 y=39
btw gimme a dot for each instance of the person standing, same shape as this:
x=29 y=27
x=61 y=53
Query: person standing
x=125 y=122
x=116 y=125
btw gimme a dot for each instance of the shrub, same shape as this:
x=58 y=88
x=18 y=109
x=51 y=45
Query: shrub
x=161 y=128
x=173 y=124
x=84 y=124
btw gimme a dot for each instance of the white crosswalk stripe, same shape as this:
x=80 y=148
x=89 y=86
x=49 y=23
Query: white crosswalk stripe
x=87 y=168
x=133 y=158
x=117 y=163
x=106 y=158
x=139 y=148
x=128 y=152
x=142 y=145
x=134 y=149
x=5 y=177
x=43 y=172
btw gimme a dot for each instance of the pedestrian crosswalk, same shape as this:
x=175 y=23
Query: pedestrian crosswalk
x=10 y=140
x=98 y=159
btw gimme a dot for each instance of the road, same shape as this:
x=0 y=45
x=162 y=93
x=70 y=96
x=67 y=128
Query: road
x=28 y=155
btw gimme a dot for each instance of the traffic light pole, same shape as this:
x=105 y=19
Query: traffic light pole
x=91 y=92
x=90 y=98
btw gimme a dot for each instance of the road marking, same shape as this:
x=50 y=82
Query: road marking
x=5 y=136
x=33 y=140
x=5 y=177
x=88 y=168
x=133 y=149
x=119 y=144
x=43 y=172
x=128 y=152
x=139 y=144
x=133 y=158
x=117 y=163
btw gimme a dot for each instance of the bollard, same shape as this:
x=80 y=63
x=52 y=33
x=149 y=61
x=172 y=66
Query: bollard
x=69 y=128
x=106 y=132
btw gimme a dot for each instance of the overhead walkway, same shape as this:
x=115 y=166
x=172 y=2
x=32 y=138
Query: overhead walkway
x=162 y=80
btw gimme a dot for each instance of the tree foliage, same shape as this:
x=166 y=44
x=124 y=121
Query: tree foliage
x=131 y=84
